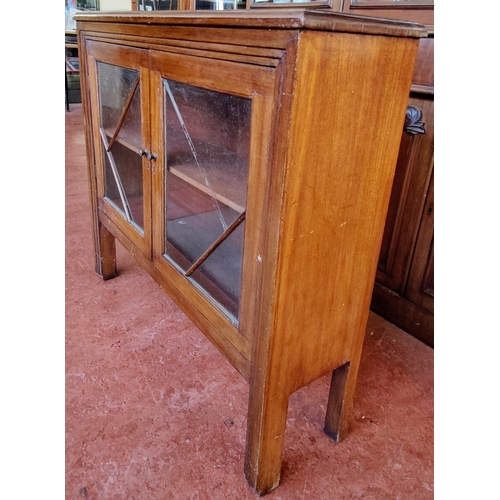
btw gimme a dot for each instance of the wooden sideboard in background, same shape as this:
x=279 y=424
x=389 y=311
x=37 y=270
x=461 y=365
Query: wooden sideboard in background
x=404 y=286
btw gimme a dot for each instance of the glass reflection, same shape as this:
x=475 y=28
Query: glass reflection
x=121 y=135
x=207 y=148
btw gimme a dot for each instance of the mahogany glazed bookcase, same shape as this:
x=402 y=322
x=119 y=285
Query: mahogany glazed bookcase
x=245 y=159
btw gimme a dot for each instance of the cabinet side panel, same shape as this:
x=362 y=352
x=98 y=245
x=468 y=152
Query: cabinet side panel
x=347 y=116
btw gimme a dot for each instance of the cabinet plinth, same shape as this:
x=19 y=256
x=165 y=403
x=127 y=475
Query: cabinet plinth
x=246 y=160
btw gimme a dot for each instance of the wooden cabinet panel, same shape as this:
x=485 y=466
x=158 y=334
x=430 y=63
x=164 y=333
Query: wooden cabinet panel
x=420 y=287
x=423 y=74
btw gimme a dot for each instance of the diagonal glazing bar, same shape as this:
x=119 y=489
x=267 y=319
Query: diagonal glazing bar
x=121 y=191
x=195 y=156
x=124 y=113
x=215 y=244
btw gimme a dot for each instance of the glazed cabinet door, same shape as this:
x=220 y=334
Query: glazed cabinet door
x=119 y=92
x=213 y=124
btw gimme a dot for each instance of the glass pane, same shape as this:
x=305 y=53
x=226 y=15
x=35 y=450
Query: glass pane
x=223 y=267
x=129 y=167
x=322 y=2
x=207 y=148
x=220 y=4
x=121 y=135
x=150 y=5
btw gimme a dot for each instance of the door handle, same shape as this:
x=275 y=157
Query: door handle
x=149 y=154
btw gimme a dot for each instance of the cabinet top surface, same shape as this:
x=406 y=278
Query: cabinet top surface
x=322 y=20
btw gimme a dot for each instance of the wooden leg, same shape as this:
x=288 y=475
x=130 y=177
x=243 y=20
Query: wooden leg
x=105 y=258
x=340 y=401
x=265 y=436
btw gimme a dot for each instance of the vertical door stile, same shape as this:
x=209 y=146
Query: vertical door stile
x=96 y=119
x=156 y=116
x=148 y=165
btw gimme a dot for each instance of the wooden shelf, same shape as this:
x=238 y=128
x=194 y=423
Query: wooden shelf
x=123 y=142
x=212 y=179
x=188 y=173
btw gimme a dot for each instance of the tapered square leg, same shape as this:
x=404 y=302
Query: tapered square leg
x=265 y=437
x=105 y=258
x=340 y=402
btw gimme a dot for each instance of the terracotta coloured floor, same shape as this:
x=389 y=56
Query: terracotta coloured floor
x=154 y=412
